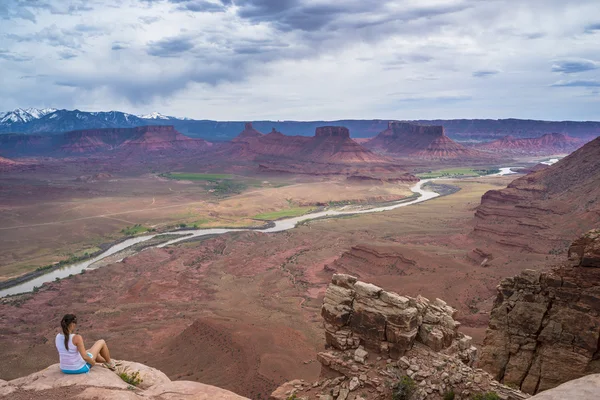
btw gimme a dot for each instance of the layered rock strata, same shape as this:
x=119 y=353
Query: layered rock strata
x=545 y=326
x=331 y=144
x=358 y=313
x=542 y=211
x=406 y=139
x=548 y=144
x=377 y=337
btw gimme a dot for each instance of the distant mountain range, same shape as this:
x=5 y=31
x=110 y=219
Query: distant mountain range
x=52 y=121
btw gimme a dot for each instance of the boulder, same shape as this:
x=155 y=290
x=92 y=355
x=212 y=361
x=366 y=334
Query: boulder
x=587 y=387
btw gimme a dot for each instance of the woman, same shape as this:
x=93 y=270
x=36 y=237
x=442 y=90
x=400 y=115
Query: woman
x=74 y=359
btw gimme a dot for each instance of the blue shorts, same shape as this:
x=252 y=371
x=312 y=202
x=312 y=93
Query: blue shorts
x=83 y=370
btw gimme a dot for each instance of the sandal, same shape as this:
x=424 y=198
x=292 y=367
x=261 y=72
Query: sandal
x=112 y=365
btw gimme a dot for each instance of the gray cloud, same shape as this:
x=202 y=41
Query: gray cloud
x=198 y=5
x=13 y=9
x=484 y=73
x=170 y=47
x=67 y=54
x=592 y=28
x=9 y=56
x=570 y=66
x=577 y=83
x=149 y=19
x=118 y=46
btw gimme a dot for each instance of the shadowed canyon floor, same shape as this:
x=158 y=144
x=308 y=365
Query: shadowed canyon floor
x=242 y=311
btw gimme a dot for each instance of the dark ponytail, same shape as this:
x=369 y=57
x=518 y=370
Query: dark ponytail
x=67 y=320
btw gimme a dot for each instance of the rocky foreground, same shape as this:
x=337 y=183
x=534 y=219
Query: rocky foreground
x=377 y=338
x=103 y=384
x=545 y=326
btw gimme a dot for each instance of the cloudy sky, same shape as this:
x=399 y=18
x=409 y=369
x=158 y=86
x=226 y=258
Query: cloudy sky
x=304 y=59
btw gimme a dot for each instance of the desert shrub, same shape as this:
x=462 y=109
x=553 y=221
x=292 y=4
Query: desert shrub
x=449 y=395
x=486 y=396
x=132 y=378
x=404 y=388
x=292 y=397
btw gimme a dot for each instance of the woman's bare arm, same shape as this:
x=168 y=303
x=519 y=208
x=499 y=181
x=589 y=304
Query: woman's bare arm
x=78 y=341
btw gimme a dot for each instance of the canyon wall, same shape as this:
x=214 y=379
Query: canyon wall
x=545 y=326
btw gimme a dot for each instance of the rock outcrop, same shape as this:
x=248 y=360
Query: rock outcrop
x=103 y=384
x=545 y=326
x=377 y=337
x=358 y=313
x=131 y=140
x=407 y=139
x=331 y=144
x=548 y=144
x=542 y=211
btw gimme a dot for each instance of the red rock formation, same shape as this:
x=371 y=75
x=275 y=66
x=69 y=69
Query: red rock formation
x=406 y=139
x=142 y=139
x=248 y=132
x=329 y=145
x=550 y=143
x=541 y=211
x=411 y=337
x=545 y=326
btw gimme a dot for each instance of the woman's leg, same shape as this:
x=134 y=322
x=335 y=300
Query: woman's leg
x=100 y=351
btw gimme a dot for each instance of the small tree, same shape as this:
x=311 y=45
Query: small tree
x=404 y=388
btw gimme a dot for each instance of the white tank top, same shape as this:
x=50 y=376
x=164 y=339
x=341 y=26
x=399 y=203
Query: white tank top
x=70 y=360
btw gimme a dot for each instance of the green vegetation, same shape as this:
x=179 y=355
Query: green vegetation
x=134 y=230
x=457 y=173
x=404 y=388
x=449 y=395
x=192 y=176
x=132 y=378
x=227 y=187
x=486 y=396
x=287 y=213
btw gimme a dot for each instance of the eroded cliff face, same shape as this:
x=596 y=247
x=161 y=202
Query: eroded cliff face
x=545 y=326
x=376 y=337
x=330 y=145
x=550 y=143
x=431 y=142
x=544 y=210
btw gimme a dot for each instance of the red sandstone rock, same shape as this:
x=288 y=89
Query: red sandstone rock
x=550 y=143
x=140 y=139
x=544 y=210
x=329 y=145
x=545 y=326
x=406 y=139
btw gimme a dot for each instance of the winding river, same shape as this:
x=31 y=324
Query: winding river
x=281 y=225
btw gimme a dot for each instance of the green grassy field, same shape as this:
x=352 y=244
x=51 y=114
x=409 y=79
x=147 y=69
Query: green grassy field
x=192 y=176
x=288 y=213
x=457 y=173
x=134 y=230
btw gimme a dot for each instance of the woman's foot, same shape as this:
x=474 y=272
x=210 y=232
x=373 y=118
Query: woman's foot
x=112 y=365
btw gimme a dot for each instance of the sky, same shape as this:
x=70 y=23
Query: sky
x=304 y=59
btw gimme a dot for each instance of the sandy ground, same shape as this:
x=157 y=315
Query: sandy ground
x=46 y=217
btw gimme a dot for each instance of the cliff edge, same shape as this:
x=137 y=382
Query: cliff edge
x=544 y=328
x=103 y=384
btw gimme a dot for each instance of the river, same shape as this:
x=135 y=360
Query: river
x=281 y=225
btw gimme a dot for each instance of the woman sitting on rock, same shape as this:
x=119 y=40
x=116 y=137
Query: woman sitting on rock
x=74 y=358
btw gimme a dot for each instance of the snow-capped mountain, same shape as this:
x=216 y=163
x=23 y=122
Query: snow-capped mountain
x=155 y=115
x=19 y=115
